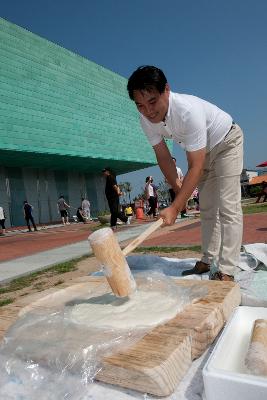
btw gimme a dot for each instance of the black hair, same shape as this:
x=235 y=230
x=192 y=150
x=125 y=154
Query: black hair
x=147 y=78
x=174 y=159
x=112 y=173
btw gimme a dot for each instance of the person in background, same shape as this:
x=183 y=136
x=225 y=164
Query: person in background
x=86 y=208
x=129 y=213
x=27 y=210
x=171 y=191
x=263 y=193
x=80 y=215
x=113 y=193
x=2 y=221
x=150 y=193
x=214 y=149
x=62 y=209
x=195 y=196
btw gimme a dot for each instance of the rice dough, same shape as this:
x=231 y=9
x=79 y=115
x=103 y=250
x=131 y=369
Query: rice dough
x=143 y=309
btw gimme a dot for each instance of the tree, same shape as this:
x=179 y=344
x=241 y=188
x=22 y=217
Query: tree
x=163 y=192
x=128 y=188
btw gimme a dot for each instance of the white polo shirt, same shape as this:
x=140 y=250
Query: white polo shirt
x=191 y=122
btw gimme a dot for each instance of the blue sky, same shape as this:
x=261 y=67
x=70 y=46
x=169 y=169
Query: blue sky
x=214 y=49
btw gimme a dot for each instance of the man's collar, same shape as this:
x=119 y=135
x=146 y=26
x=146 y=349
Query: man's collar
x=169 y=108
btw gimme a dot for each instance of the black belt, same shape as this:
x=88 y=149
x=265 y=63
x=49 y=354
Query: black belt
x=232 y=126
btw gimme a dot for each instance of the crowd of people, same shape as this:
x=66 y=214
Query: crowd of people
x=83 y=214
x=123 y=212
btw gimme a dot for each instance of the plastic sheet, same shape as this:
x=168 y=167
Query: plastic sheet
x=45 y=355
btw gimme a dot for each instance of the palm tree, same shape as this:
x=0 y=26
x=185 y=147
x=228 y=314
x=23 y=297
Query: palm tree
x=128 y=188
x=163 y=193
x=122 y=189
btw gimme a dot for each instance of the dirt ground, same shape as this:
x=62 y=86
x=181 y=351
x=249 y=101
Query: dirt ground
x=84 y=267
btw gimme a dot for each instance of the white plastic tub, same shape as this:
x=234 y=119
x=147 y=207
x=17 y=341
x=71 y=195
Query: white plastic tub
x=225 y=374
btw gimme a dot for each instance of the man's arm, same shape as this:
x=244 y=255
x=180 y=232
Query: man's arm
x=117 y=190
x=195 y=161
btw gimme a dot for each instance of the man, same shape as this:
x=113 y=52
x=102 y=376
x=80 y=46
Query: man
x=2 y=221
x=151 y=196
x=214 y=150
x=81 y=217
x=62 y=209
x=263 y=193
x=27 y=210
x=171 y=191
x=113 y=193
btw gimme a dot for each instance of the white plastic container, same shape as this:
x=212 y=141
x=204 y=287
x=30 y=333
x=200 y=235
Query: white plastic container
x=225 y=374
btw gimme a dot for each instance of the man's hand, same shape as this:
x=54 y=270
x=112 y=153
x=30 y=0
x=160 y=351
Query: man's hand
x=169 y=215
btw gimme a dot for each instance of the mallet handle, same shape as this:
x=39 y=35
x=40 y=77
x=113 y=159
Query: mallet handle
x=152 y=228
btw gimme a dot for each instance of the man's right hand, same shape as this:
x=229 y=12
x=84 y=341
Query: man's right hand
x=169 y=215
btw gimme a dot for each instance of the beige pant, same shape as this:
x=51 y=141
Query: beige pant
x=220 y=203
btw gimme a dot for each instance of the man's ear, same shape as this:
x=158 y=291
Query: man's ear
x=167 y=88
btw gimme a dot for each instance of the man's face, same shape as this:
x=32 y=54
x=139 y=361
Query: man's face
x=152 y=104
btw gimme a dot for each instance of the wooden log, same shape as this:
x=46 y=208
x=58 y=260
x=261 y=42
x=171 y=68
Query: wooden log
x=157 y=362
x=256 y=358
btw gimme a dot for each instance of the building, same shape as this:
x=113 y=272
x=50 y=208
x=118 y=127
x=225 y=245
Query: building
x=63 y=118
x=245 y=178
x=258 y=180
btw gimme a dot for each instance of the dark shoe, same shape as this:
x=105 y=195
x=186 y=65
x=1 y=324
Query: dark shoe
x=184 y=216
x=219 y=276
x=199 y=268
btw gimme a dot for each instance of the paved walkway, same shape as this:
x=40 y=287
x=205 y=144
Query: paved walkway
x=22 y=252
x=28 y=252
x=255 y=231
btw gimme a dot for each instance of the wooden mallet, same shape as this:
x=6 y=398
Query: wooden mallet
x=115 y=267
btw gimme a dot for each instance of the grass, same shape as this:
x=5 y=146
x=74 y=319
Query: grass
x=5 y=302
x=254 y=208
x=166 y=249
x=28 y=280
x=100 y=226
x=39 y=286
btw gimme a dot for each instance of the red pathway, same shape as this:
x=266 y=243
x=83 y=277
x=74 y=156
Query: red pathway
x=25 y=244
x=255 y=231
x=185 y=233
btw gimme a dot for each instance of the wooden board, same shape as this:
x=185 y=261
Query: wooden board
x=158 y=362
